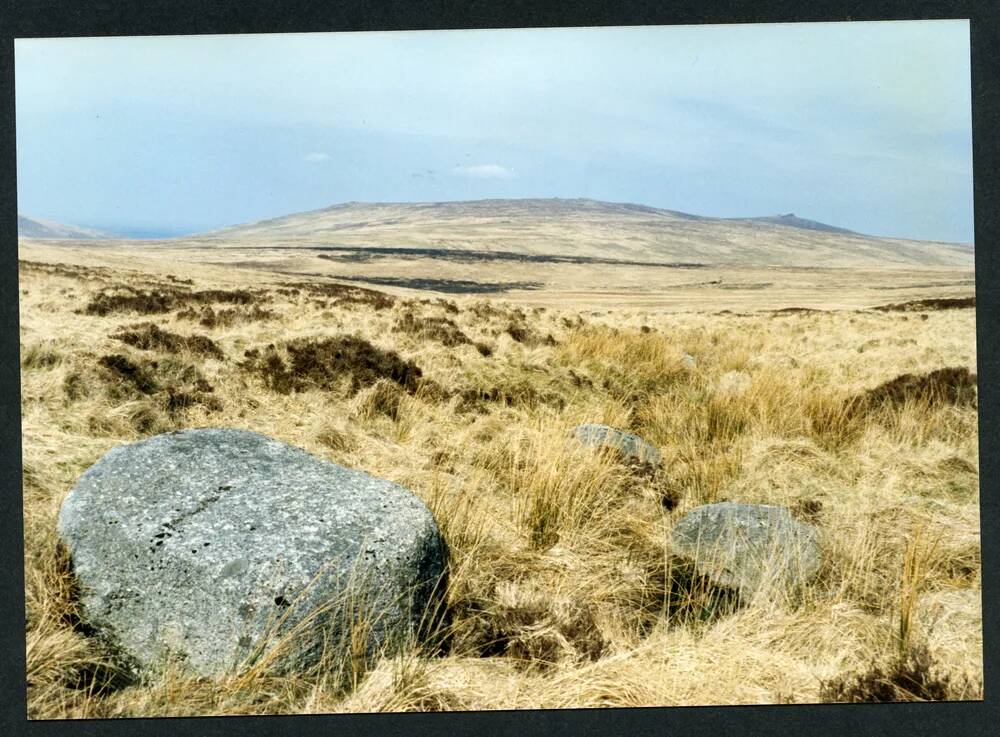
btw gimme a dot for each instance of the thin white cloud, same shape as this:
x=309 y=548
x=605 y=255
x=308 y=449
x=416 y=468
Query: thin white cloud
x=315 y=157
x=485 y=171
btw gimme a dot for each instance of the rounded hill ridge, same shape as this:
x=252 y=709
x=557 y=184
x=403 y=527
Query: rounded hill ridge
x=585 y=228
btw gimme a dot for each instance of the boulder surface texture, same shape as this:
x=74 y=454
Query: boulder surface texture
x=209 y=546
x=629 y=445
x=748 y=547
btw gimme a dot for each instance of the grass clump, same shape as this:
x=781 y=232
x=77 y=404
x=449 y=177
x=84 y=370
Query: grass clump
x=145 y=302
x=132 y=374
x=39 y=356
x=632 y=365
x=322 y=363
x=119 y=299
x=534 y=633
x=522 y=333
x=924 y=305
x=442 y=330
x=913 y=676
x=170 y=385
x=383 y=398
x=210 y=317
x=150 y=337
x=343 y=295
x=71 y=271
x=953 y=385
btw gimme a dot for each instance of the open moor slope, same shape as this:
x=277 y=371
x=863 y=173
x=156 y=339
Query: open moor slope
x=28 y=227
x=590 y=229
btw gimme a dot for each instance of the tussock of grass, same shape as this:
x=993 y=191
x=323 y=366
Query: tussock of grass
x=39 y=356
x=534 y=632
x=913 y=676
x=210 y=317
x=320 y=364
x=938 y=303
x=522 y=333
x=149 y=336
x=953 y=385
x=441 y=329
x=125 y=298
x=381 y=398
x=130 y=373
x=631 y=363
x=517 y=387
x=71 y=271
x=343 y=295
x=141 y=301
x=561 y=592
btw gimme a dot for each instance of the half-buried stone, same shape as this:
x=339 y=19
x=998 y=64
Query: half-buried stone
x=630 y=446
x=752 y=548
x=209 y=546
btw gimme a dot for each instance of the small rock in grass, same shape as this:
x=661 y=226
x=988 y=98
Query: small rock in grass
x=748 y=547
x=631 y=446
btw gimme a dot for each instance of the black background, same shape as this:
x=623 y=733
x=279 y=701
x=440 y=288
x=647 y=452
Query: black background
x=37 y=18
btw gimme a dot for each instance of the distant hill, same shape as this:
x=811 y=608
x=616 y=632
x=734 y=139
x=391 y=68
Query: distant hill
x=791 y=221
x=592 y=229
x=35 y=228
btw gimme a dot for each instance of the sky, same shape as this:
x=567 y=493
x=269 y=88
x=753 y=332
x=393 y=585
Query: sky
x=861 y=125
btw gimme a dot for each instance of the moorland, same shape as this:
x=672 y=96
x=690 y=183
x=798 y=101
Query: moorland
x=451 y=349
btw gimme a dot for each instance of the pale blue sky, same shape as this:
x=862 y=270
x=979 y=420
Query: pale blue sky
x=861 y=125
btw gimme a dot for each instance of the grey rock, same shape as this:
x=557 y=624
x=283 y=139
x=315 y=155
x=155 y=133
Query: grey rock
x=688 y=361
x=629 y=445
x=208 y=546
x=748 y=547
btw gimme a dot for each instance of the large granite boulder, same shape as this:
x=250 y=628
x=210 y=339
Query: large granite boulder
x=630 y=446
x=209 y=546
x=748 y=547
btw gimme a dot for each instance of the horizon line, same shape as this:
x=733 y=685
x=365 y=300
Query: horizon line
x=120 y=233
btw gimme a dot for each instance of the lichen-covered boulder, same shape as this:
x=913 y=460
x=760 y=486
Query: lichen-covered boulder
x=749 y=547
x=630 y=446
x=209 y=546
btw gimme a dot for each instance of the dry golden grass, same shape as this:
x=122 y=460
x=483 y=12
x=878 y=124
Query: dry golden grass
x=561 y=590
